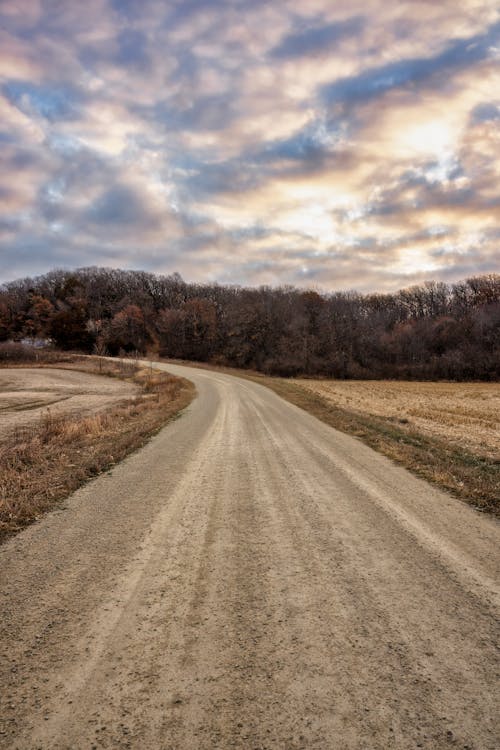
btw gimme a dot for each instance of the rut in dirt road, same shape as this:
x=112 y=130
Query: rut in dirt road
x=251 y=579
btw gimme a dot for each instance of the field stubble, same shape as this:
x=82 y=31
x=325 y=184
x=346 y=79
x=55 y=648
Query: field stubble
x=465 y=414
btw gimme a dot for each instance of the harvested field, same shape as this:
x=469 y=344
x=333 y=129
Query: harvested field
x=28 y=395
x=465 y=414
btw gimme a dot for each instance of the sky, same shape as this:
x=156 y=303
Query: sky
x=332 y=144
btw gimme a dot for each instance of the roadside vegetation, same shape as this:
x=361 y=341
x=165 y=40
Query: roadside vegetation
x=41 y=465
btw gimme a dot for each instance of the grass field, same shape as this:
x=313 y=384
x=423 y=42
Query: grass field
x=465 y=414
x=29 y=394
x=42 y=462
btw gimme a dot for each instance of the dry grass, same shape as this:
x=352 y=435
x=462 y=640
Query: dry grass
x=44 y=464
x=465 y=414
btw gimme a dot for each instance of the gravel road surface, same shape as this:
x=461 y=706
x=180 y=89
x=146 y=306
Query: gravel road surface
x=251 y=579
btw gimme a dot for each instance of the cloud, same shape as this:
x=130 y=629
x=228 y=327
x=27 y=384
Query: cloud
x=40 y=101
x=316 y=40
x=336 y=144
x=485 y=112
x=133 y=50
x=375 y=82
x=118 y=205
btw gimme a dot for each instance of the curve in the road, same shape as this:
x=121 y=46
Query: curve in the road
x=251 y=578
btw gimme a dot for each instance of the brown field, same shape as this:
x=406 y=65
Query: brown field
x=92 y=423
x=465 y=414
x=29 y=395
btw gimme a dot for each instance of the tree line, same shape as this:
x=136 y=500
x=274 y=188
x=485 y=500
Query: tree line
x=428 y=331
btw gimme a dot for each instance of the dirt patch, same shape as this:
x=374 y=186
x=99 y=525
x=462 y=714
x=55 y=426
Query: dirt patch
x=29 y=395
x=465 y=414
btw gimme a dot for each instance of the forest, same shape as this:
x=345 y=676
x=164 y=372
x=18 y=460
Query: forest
x=429 y=331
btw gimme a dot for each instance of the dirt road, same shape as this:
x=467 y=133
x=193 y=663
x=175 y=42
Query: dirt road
x=251 y=579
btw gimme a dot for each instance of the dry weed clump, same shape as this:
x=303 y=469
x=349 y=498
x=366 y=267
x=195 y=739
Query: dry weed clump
x=44 y=464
